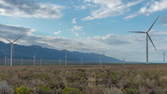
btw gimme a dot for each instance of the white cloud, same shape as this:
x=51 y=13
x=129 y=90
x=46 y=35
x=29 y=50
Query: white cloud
x=76 y=28
x=29 y=8
x=149 y=8
x=131 y=16
x=74 y=21
x=13 y=31
x=109 y=8
x=57 y=33
x=154 y=6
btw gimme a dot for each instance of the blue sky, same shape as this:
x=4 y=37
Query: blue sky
x=101 y=26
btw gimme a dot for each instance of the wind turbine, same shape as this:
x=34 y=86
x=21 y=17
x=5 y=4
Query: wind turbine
x=164 y=56
x=5 y=61
x=148 y=38
x=100 y=62
x=40 y=62
x=34 y=60
x=65 y=59
x=12 y=43
x=81 y=62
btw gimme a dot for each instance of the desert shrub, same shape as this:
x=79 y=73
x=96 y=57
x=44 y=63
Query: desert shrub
x=5 y=88
x=150 y=83
x=112 y=90
x=131 y=91
x=4 y=76
x=23 y=90
x=71 y=91
x=41 y=76
x=158 y=91
x=75 y=79
x=114 y=77
x=143 y=90
x=94 y=90
x=44 y=90
x=57 y=91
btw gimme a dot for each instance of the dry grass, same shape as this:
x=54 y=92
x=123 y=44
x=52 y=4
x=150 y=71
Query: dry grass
x=90 y=79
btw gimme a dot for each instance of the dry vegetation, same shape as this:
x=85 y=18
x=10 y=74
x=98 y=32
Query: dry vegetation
x=108 y=79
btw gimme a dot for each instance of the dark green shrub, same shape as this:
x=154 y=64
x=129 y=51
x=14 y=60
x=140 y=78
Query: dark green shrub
x=131 y=91
x=72 y=91
x=44 y=90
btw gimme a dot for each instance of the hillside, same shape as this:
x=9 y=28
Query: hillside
x=27 y=52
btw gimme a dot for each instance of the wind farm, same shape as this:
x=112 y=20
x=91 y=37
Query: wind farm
x=83 y=47
x=65 y=57
x=72 y=72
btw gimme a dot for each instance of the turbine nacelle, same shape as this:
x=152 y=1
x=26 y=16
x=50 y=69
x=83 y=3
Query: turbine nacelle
x=14 y=41
x=147 y=35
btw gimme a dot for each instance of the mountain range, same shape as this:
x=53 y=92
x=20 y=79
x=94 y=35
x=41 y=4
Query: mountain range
x=27 y=53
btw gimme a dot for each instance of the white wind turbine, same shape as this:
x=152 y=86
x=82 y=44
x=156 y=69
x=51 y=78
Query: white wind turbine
x=34 y=60
x=12 y=43
x=65 y=59
x=148 y=38
x=164 y=57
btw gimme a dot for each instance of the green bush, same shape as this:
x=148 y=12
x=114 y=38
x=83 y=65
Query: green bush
x=44 y=90
x=23 y=90
x=131 y=91
x=71 y=91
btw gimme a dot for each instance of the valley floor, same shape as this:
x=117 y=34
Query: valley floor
x=89 y=79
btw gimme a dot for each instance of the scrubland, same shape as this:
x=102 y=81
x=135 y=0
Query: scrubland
x=89 y=79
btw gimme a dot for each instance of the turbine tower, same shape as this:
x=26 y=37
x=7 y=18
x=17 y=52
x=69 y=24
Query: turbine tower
x=148 y=38
x=81 y=62
x=40 y=62
x=65 y=59
x=34 y=60
x=100 y=62
x=164 y=56
x=5 y=61
x=12 y=43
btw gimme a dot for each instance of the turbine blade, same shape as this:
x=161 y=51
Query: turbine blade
x=137 y=32
x=9 y=40
x=151 y=41
x=153 y=24
x=19 y=37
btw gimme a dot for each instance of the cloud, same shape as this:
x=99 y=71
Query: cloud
x=131 y=16
x=149 y=8
x=58 y=32
x=112 y=39
x=76 y=28
x=29 y=8
x=154 y=6
x=74 y=21
x=107 y=8
x=12 y=32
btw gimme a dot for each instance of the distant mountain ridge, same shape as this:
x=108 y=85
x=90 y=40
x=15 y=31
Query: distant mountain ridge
x=27 y=52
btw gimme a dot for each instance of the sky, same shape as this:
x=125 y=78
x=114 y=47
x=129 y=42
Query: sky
x=94 y=26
